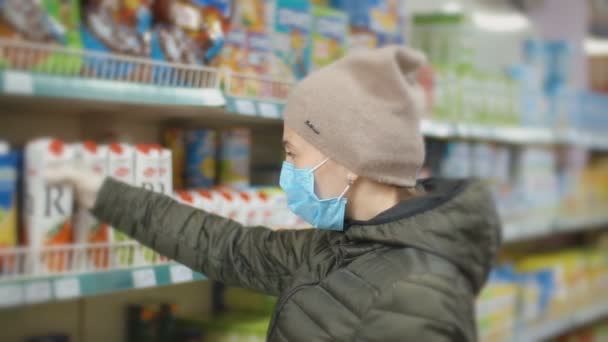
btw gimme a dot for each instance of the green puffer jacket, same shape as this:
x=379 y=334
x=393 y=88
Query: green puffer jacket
x=409 y=274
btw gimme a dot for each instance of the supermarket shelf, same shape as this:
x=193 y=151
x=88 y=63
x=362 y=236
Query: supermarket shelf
x=520 y=231
x=24 y=282
x=255 y=96
x=557 y=327
x=79 y=74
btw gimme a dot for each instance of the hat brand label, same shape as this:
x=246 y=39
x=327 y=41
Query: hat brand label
x=311 y=126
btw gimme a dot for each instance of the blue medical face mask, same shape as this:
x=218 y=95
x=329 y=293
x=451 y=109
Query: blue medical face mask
x=299 y=185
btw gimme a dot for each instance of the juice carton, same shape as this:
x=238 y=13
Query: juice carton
x=121 y=166
x=201 y=148
x=49 y=21
x=190 y=31
x=147 y=161
x=291 y=39
x=329 y=36
x=208 y=201
x=175 y=141
x=234 y=158
x=88 y=229
x=8 y=197
x=48 y=208
x=121 y=27
x=165 y=173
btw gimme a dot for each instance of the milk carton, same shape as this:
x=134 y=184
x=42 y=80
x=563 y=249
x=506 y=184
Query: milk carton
x=121 y=162
x=187 y=197
x=48 y=208
x=88 y=229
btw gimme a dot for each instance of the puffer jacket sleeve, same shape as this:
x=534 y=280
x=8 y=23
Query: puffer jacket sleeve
x=410 y=311
x=222 y=249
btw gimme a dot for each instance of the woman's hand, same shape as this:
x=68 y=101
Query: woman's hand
x=86 y=183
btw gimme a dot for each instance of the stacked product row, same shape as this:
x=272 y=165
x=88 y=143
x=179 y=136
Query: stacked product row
x=531 y=290
x=53 y=228
x=534 y=186
x=283 y=38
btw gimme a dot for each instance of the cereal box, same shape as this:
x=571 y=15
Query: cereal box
x=235 y=158
x=48 y=208
x=250 y=15
x=8 y=196
x=190 y=31
x=49 y=21
x=201 y=158
x=291 y=37
x=329 y=36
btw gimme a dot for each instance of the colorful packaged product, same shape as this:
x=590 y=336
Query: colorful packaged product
x=250 y=15
x=48 y=208
x=329 y=36
x=8 y=198
x=175 y=141
x=291 y=37
x=235 y=158
x=190 y=31
x=119 y=27
x=49 y=21
x=201 y=147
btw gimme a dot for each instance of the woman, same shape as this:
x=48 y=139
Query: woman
x=391 y=259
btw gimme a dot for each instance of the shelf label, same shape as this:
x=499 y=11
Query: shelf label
x=268 y=110
x=180 y=274
x=67 y=288
x=245 y=107
x=213 y=97
x=11 y=295
x=16 y=82
x=144 y=278
x=38 y=291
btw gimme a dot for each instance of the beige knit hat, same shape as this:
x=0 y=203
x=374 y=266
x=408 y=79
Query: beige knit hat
x=363 y=111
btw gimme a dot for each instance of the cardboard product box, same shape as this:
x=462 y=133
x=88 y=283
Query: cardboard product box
x=8 y=198
x=329 y=40
x=48 y=208
x=175 y=141
x=235 y=155
x=49 y=22
x=122 y=27
x=121 y=166
x=190 y=31
x=290 y=39
x=201 y=161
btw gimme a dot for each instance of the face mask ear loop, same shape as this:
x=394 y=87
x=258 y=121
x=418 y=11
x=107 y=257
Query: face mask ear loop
x=319 y=165
x=344 y=192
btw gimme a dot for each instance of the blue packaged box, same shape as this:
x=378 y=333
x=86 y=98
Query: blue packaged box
x=8 y=199
x=291 y=38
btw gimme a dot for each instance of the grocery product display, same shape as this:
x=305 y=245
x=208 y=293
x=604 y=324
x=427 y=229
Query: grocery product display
x=504 y=108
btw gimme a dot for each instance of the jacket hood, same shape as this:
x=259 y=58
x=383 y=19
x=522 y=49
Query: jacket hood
x=455 y=219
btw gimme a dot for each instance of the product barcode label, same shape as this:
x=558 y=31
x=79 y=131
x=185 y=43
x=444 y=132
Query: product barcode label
x=37 y=292
x=144 y=278
x=16 y=82
x=245 y=107
x=67 y=288
x=11 y=295
x=180 y=274
x=268 y=110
